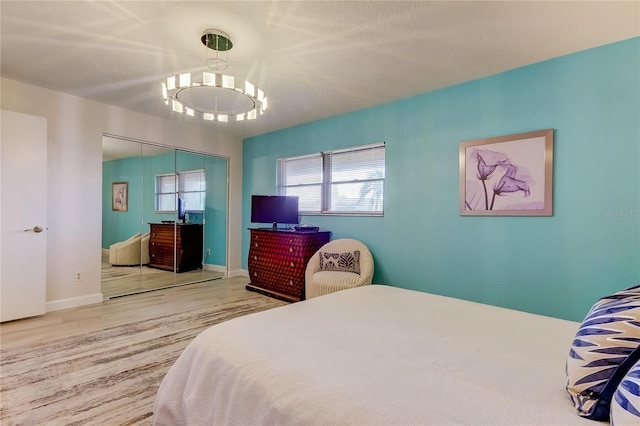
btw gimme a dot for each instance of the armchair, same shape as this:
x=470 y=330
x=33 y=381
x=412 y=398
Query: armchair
x=338 y=265
x=132 y=251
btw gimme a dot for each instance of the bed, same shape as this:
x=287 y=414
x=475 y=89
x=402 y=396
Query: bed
x=374 y=355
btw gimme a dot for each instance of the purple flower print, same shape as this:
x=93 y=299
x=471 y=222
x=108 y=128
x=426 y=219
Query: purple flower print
x=513 y=180
x=508 y=183
x=484 y=171
x=488 y=161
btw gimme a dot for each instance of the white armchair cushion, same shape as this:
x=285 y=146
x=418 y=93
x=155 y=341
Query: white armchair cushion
x=335 y=280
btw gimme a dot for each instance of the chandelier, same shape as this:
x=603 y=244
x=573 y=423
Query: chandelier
x=213 y=95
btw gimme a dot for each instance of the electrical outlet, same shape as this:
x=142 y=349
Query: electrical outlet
x=78 y=275
x=208 y=252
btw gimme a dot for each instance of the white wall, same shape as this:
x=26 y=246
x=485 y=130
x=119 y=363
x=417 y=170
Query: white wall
x=74 y=129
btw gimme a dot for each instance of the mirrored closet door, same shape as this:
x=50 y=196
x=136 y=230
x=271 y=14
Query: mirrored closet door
x=164 y=217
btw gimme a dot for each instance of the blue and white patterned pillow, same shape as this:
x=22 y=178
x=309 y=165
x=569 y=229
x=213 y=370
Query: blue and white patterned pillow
x=606 y=346
x=345 y=262
x=625 y=405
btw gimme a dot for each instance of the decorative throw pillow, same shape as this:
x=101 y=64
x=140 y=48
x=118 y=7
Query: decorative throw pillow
x=625 y=405
x=606 y=346
x=344 y=262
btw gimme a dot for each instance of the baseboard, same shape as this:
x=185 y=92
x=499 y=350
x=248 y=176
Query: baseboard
x=215 y=268
x=74 y=302
x=239 y=273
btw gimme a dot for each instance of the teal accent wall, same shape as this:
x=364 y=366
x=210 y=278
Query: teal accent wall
x=556 y=266
x=140 y=174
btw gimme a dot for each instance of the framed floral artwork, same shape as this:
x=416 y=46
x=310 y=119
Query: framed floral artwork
x=507 y=175
x=119 y=197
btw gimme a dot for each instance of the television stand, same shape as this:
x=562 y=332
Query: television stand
x=278 y=260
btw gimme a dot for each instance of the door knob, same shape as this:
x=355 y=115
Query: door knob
x=36 y=229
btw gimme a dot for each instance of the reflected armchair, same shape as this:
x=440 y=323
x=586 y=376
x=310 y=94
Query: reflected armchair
x=132 y=251
x=338 y=265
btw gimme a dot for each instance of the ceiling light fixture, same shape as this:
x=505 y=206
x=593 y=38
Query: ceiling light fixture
x=214 y=95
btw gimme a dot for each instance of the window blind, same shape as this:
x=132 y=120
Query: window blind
x=347 y=181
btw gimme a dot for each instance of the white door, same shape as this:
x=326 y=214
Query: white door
x=23 y=215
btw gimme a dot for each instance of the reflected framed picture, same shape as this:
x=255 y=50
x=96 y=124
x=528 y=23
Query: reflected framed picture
x=119 y=196
x=507 y=175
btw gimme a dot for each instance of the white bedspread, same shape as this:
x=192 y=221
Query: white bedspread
x=374 y=355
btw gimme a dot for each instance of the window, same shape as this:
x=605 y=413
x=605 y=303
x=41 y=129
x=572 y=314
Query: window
x=166 y=193
x=348 y=181
x=191 y=189
x=302 y=176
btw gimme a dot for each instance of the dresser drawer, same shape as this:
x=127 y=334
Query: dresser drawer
x=279 y=278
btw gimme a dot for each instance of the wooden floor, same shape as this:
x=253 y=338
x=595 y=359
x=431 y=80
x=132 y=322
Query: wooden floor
x=120 y=311
x=122 y=280
x=154 y=279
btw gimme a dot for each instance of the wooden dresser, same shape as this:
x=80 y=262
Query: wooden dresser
x=188 y=246
x=278 y=259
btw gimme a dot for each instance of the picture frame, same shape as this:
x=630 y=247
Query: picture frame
x=507 y=175
x=120 y=196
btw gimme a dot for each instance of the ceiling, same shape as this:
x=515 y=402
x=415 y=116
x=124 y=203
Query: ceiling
x=313 y=59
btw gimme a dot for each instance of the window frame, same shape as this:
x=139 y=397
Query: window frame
x=178 y=190
x=326 y=182
x=157 y=193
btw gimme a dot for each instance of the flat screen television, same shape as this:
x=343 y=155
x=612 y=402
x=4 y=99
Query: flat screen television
x=274 y=209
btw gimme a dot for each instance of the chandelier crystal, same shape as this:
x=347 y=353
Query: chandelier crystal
x=213 y=95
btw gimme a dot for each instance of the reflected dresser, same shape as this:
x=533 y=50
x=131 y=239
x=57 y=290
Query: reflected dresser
x=188 y=246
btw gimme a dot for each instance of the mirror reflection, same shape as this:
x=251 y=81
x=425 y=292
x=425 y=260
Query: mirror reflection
x=163 y=218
